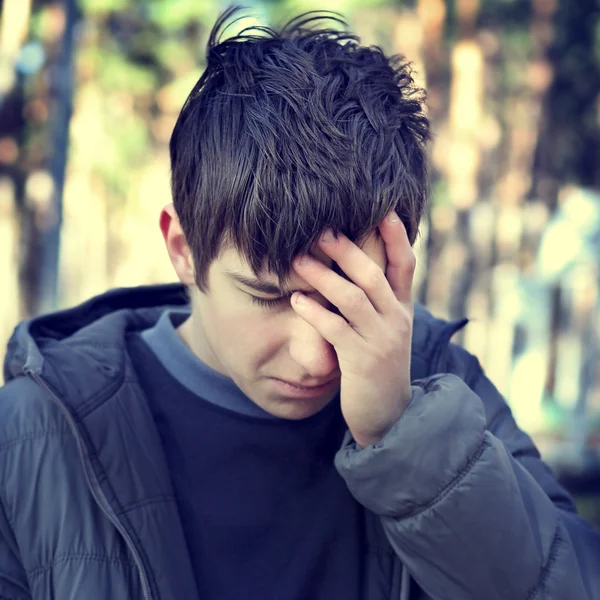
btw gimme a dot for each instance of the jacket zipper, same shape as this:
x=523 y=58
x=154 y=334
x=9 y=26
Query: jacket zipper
x=95 y=489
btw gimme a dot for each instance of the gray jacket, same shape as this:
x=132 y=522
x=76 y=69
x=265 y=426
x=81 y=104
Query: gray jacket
x=459 y=505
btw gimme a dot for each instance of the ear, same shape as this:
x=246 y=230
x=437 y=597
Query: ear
x=177 y=246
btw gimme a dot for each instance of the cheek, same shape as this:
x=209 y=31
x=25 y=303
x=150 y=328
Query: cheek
x=247 y=336
x=262 y=334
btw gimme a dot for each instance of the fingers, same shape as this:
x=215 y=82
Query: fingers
x=366 y=275
x=401 y=257
x=351 y=301
x=371 y=297
x=332 y=327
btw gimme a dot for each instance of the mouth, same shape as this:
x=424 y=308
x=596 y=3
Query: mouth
x=287 y=388
x=305 y=387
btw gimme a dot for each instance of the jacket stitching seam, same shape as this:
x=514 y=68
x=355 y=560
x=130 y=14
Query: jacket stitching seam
x=99 y=398
x=31 y=436
x=75 y=557
x=85 y=343
x=547 y=568
x=452 y=485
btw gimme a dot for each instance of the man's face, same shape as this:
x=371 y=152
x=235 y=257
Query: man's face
x=255 y=337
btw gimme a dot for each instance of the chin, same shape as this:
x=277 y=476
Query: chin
x=296 y=413
x=295 y=409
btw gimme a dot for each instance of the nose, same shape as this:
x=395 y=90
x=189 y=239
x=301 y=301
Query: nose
x=312 y=351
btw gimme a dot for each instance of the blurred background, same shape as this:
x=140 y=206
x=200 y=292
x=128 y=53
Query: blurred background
x=89 y=94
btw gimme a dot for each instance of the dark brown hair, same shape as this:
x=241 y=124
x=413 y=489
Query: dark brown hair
x=292 y=130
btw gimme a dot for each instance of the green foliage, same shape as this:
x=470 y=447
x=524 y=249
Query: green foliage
x=181 y=87
x=36 y=27
x=121 y=153
x=282 y=11
x=342 y=6
x=116 y=73
x=173 y=55
x=94 y=7
x=440 y=195
x=517 y=49
x=172 y=15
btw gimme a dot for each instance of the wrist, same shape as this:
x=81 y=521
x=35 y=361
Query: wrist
x=366 y=442
x=374 y=437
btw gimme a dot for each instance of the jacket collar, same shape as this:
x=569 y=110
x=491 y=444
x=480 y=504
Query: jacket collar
x=80 y=352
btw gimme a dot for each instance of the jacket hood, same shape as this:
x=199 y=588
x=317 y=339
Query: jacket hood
x=88 y=338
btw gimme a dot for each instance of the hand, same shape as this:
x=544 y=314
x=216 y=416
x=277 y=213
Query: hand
x=372 y=337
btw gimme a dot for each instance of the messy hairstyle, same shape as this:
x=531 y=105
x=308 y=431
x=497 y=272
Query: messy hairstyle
x=292 y=130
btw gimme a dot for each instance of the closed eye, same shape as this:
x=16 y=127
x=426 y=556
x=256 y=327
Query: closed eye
x=269 y=302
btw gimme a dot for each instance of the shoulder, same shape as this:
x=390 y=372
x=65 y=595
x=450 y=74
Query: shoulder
x=34 y=446
x=27 y=413
x=434 y=353
x=499 y=417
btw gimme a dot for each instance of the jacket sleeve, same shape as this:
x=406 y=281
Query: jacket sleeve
x=468 y=505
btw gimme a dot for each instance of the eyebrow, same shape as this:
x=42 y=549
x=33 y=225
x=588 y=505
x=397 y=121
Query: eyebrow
x=257 y=285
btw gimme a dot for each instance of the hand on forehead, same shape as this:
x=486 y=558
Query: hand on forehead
x=372 y=246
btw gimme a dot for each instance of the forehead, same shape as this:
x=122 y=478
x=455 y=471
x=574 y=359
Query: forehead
x=231 y=261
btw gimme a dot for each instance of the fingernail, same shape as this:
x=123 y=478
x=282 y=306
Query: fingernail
x=393 y=217
x=327 y=236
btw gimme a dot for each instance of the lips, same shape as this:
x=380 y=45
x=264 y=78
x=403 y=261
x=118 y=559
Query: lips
x=305 y=387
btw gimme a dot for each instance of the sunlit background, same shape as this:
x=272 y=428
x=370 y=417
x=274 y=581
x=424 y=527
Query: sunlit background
x=90 y=91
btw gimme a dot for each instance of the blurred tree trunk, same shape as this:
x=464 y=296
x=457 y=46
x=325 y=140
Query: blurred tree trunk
x=432 y=15
x=568 y=145
x=14 y=25
x=568 y=148
x=466 y=113
x=49 y=217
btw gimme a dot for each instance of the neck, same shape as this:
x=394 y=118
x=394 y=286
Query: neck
x=191 y=331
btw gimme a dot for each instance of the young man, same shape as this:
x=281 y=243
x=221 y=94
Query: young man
x=297 y=429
